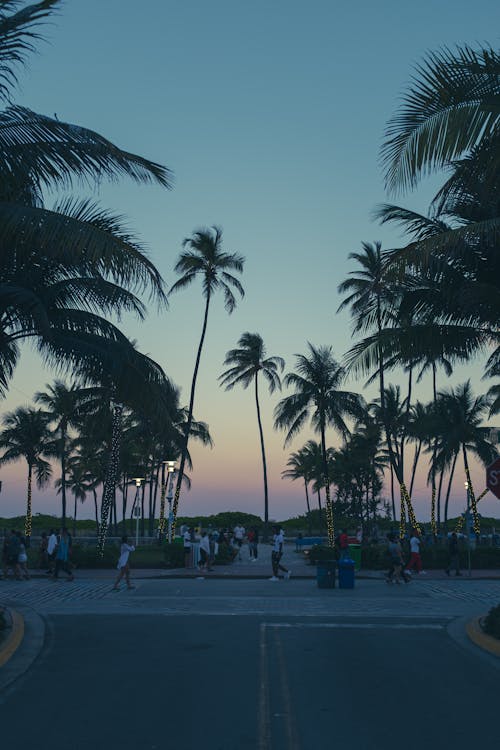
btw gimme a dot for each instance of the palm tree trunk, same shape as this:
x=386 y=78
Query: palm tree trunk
x=74 y=519
x=190 y=418
x=110 y=480
x=96 y=513
x=330 y=525
x=416 y=456
x=264 y=464
x=475 y=517
x=448 y=491
x=63 y=476
x=392 y=496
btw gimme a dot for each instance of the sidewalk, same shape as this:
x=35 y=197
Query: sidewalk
x=246 y=569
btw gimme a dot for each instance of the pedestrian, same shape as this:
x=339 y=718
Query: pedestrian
x=62 y=556
x=187 y=548
x=396 y=570
x=204 y=552
x=344 y=545
x=123 y=564
x=253 y=543
x=239 y=535
x=453 y=555
x=10 y=555
x=43 y=558
x=22 y=557
x=277 y=554
x=415 y=558
x=51 y=550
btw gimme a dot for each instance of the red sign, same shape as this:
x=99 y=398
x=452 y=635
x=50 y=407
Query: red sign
x=493 y=477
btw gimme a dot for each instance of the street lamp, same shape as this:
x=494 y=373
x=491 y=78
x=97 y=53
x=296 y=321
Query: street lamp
x=137 y=507
x=170 y=494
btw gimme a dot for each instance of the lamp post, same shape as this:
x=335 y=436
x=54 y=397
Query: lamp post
x=137 y=507
x=170 y=495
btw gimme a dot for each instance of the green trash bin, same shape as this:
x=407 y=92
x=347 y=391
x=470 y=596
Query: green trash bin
x=355 y=552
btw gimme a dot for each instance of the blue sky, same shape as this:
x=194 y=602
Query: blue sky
x=271 y=115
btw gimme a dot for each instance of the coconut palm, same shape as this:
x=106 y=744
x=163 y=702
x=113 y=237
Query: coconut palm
x=318 y=397
x=247 y=363
x=25 y=435
x=205 y=259
x=462 y=432
x=451 y=108
x=61 y=268
x=299 y=467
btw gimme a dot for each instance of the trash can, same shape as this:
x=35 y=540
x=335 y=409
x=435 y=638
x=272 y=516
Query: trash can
x=346 y=573
x=355 y=554
x=325 y=574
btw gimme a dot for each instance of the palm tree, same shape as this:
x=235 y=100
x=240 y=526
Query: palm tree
x=299 y=467
x=25 y=435
x=206 y=260
x=450 y=109
x=462 y=432
x=247 y=362
x=49 y=293
x=317 y=397
x=61 y=404
x=80 y=483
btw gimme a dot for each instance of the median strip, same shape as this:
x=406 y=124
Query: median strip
x=480 y=638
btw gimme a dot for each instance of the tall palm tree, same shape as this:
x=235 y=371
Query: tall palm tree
x=247 y=363
x=299 y=467
x=204 y=258
x=25 y=435
x=61 y=404
x=318 y=397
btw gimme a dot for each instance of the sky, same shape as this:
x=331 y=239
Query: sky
x=271 y=116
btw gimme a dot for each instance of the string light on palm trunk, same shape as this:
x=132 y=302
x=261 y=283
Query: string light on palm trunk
x=170 y=466
x=28 y=520
x=111 y=475
x=433 y=512
x=473 y=503
x=402 y=518
x=411 y=513
x=460 y=522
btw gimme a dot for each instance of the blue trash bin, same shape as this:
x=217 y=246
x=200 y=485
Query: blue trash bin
x=325 y=574
x=346 y=573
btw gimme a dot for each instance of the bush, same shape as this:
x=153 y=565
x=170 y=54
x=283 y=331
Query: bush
x=173 y=555
x=321 y=553
x=491 y=624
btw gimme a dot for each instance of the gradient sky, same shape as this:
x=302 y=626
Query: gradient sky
x=271 y=115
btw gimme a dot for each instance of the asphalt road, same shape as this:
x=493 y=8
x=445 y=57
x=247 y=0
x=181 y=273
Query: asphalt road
x=212 y=682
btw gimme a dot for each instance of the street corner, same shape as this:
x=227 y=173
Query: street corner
x=480 y=638
x=13 y=634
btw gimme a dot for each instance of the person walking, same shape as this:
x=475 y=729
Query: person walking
x=22 y=557
x=204 y=552
x=253 y=543
x=62 y=557
x=344 y=545
x=43 y=558
x=187 y=548
x=10 y=554
x=415 y=557
x=238 y=535
x=123 y=564
x=51 y=550
x=453 y=555
x=277 y=554
x=396 y=571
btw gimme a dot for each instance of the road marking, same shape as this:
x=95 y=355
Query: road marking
x=356 y=625
x=290 y=725
x=264 y=722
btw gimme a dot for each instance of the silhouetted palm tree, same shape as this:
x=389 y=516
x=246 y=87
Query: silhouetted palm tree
x=206 y=260
x=318 y=397
x=247 y=362
x=25 y=435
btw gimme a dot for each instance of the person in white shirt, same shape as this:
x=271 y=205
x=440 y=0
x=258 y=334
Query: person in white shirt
x=123 y=564
x=277 y=554
x=239 y=533
x=51 y=551
x=205 y=552
x=187 y=548
x=415 y=558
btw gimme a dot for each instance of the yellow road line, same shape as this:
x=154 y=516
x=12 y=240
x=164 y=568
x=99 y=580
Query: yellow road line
x=14 y=639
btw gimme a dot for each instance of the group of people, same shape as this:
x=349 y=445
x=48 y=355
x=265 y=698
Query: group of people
x=53 y=554
x=399 y=571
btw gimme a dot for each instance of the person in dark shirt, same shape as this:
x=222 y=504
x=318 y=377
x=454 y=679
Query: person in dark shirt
x=454 y=556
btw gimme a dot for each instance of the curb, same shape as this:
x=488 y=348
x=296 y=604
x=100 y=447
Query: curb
x=481 y=639
x=10 y=645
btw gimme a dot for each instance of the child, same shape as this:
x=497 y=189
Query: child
x=123 y=565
